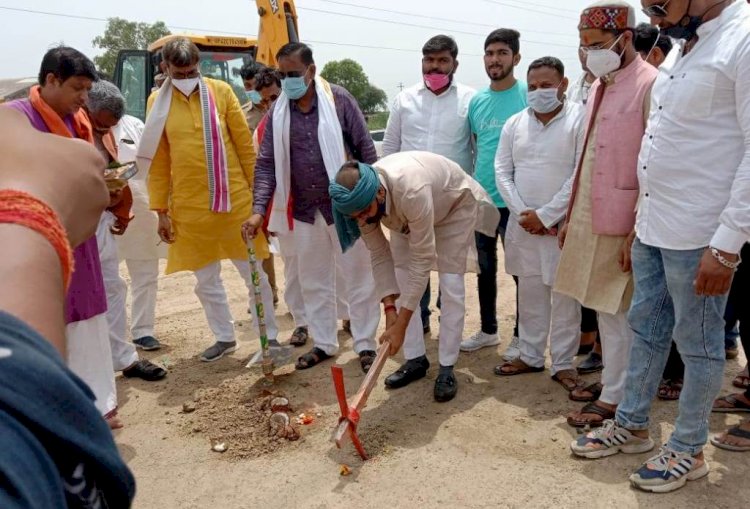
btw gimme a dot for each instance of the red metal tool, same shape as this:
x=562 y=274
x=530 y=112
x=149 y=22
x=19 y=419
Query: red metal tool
x=350 y=412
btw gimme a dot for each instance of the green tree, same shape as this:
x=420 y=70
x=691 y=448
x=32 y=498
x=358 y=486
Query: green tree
x=123 y=34
x=350 y=75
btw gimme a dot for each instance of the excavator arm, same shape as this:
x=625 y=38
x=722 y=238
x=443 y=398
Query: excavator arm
x=277 y=27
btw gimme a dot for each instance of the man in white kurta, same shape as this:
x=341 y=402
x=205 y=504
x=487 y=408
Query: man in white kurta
x=140 y=246
x=105 y=107
x=535 y=165
x=432 y=208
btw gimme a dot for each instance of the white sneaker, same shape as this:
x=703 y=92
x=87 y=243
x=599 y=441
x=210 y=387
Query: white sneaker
x=479 y=340
x=513 y=352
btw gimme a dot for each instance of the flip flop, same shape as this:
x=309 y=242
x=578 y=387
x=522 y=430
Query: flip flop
x=570 y=375
x=519 y=366
x=595 y=389
x=735 y=432
x=592 y=408
x=738 y=406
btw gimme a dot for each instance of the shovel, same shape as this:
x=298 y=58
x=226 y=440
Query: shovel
x=350 y=412
x=271 y=355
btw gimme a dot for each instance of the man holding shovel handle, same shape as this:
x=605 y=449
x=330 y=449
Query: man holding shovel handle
x=432 y=209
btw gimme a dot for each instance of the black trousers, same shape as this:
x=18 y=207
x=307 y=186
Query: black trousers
x=487 y=277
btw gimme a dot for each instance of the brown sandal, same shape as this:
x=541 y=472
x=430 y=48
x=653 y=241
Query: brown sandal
x=518 y=366
x=594 y=389
x=669 y=390
x=568 y=378
x=591 y=408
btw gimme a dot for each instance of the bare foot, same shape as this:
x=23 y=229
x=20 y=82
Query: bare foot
x=114 y=422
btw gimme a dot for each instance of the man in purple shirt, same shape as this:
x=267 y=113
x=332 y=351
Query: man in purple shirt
x=312 y=128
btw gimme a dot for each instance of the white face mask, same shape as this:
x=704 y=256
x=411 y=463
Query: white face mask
x=603 y=61
x=544 y=100
x=186 y=86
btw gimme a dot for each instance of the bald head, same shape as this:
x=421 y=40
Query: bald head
x=348 y=176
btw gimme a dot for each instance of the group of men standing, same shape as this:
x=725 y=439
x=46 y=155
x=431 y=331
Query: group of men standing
x=600 y=192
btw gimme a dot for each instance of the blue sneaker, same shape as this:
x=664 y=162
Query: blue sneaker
x=668 y=471
x=147 y=343
x=610 y=439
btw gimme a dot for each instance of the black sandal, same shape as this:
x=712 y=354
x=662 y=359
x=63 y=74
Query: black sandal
x=592 y=408
x=366 y=359
x=737 y=405
x=311 y=358
x=595 y=389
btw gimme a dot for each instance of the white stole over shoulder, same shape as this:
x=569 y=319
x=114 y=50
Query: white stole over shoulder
x=331 y=142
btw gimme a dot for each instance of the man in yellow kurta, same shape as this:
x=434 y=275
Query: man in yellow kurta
x=198 y=147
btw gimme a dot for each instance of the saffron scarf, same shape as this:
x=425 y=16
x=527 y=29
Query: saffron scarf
x=55 y=124
x=215 y=149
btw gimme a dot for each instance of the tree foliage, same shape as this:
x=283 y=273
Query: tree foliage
x=123 y=34
x=350 y=75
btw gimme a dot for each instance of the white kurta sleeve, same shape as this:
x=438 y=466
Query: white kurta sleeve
x=382 y=261
x=734 y=222
x=505 y=170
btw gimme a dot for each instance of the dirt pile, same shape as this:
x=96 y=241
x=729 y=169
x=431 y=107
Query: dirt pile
x=241 y=419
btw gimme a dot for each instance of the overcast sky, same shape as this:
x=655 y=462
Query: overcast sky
x=387 y=44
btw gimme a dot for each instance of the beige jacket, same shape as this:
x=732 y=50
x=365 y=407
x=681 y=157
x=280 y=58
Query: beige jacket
x=433 y=209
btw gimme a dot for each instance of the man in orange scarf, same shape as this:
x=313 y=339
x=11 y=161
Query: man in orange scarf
x=54 y=106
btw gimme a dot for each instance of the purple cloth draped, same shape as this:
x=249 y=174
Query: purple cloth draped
x=86 y=296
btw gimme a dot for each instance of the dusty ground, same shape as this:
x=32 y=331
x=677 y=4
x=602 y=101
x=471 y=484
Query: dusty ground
x=500 y=443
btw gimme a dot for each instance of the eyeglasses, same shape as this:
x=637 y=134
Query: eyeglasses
x=595 y=47
x=656 y=11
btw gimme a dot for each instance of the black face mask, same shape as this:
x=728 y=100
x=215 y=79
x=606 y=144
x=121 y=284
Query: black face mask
x=686 y=29
x=381 y=212
x=688 y=25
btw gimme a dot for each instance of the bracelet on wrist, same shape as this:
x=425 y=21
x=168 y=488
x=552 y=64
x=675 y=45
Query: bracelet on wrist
x=390 y=307
x=23 y=209
x=722 y=260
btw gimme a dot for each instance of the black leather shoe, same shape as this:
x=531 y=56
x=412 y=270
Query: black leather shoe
x=412 y=370
x=446 y=387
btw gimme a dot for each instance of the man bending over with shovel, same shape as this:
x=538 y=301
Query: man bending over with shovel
x=432 y=208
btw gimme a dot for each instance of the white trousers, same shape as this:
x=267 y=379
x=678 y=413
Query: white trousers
x=546 y=314
x=617 y=339
x=210 y=291
x=292 y=289
x=319 y=252
x=123 y=351
x=90 y=357
x=452 y=312
x=144 y=277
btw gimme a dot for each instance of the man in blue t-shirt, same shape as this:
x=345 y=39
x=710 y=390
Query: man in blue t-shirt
x=488 y=112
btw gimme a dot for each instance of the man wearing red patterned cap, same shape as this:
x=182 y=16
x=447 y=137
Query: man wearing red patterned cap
x=595 y=264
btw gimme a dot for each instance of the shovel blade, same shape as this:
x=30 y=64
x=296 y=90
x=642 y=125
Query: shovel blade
x=279 y=355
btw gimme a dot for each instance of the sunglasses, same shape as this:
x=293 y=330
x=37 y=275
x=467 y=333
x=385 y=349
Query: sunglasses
x=656 y=11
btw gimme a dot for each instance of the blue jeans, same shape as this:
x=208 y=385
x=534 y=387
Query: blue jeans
x=665 y=306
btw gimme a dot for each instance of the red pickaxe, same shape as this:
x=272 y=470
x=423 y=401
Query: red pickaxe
x=350 y=413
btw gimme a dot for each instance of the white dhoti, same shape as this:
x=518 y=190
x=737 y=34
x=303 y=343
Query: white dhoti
x=319 y=252
x=210 y=291
x=123 y=351
x=90 y=357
